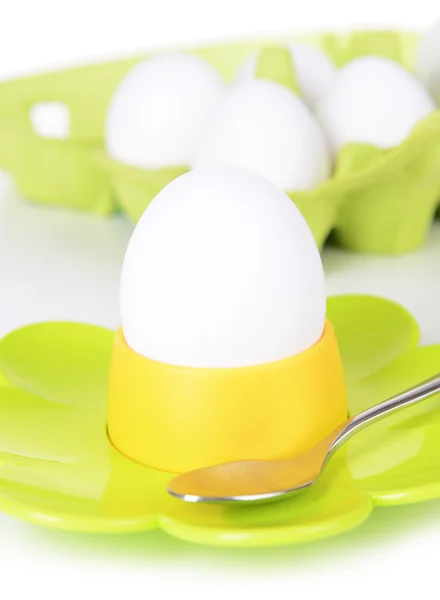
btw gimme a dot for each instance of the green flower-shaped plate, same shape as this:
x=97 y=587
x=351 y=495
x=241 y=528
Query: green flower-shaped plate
x=58 y=468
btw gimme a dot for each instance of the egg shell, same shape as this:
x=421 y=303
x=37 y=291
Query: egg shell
x=222 y=271
x=314 y=70
x=261 y=126
x=428 y=60
x=159 y=110
x=373 y=100
x=51 y=120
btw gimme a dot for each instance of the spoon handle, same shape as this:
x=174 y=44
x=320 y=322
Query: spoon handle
x=411 y=396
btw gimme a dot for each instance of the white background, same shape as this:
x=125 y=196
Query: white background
x=59 y=265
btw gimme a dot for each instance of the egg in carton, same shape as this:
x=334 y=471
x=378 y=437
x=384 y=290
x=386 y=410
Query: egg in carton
x=378 y=199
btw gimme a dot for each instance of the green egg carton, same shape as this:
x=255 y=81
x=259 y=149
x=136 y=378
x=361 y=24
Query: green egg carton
x=377 y=201
x=60 y=172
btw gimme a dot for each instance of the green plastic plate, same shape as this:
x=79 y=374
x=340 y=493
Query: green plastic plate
x=59 y=470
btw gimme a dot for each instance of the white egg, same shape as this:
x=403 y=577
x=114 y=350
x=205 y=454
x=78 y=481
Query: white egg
x=314 y=70
x=50 y=120
x=222 y=271
x=262 y=126
x=428 y=60
x=159 y=109
x=373 y=100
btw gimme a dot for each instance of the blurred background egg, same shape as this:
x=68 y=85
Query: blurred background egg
x=373 y=100
x=159 y=109
x=50 y=120
x=428 y=60
x=262 y=126
x=314 y=70
x=222 y=271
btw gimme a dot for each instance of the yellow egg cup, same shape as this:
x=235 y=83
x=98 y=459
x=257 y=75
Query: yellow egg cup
x=177 y=418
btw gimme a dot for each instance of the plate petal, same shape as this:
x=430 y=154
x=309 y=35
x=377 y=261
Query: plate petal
x=109 y=494
x=312 y=514
x=371 y=332
x=35 y=429
x=402 y=467
x=397 y=460
x=408 y=369
x=67 y=363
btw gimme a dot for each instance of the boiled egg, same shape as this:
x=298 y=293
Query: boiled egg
x=373 y=100
x=159 y=109
x=51 y=120
x=222 y=271
x=264 y=127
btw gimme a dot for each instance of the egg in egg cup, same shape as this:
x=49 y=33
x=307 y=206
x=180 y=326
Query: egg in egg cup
x=224 y=351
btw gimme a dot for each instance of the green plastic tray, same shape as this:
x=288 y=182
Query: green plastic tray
x=377 y=201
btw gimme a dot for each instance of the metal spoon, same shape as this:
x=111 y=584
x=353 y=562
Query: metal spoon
x=256 y=480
